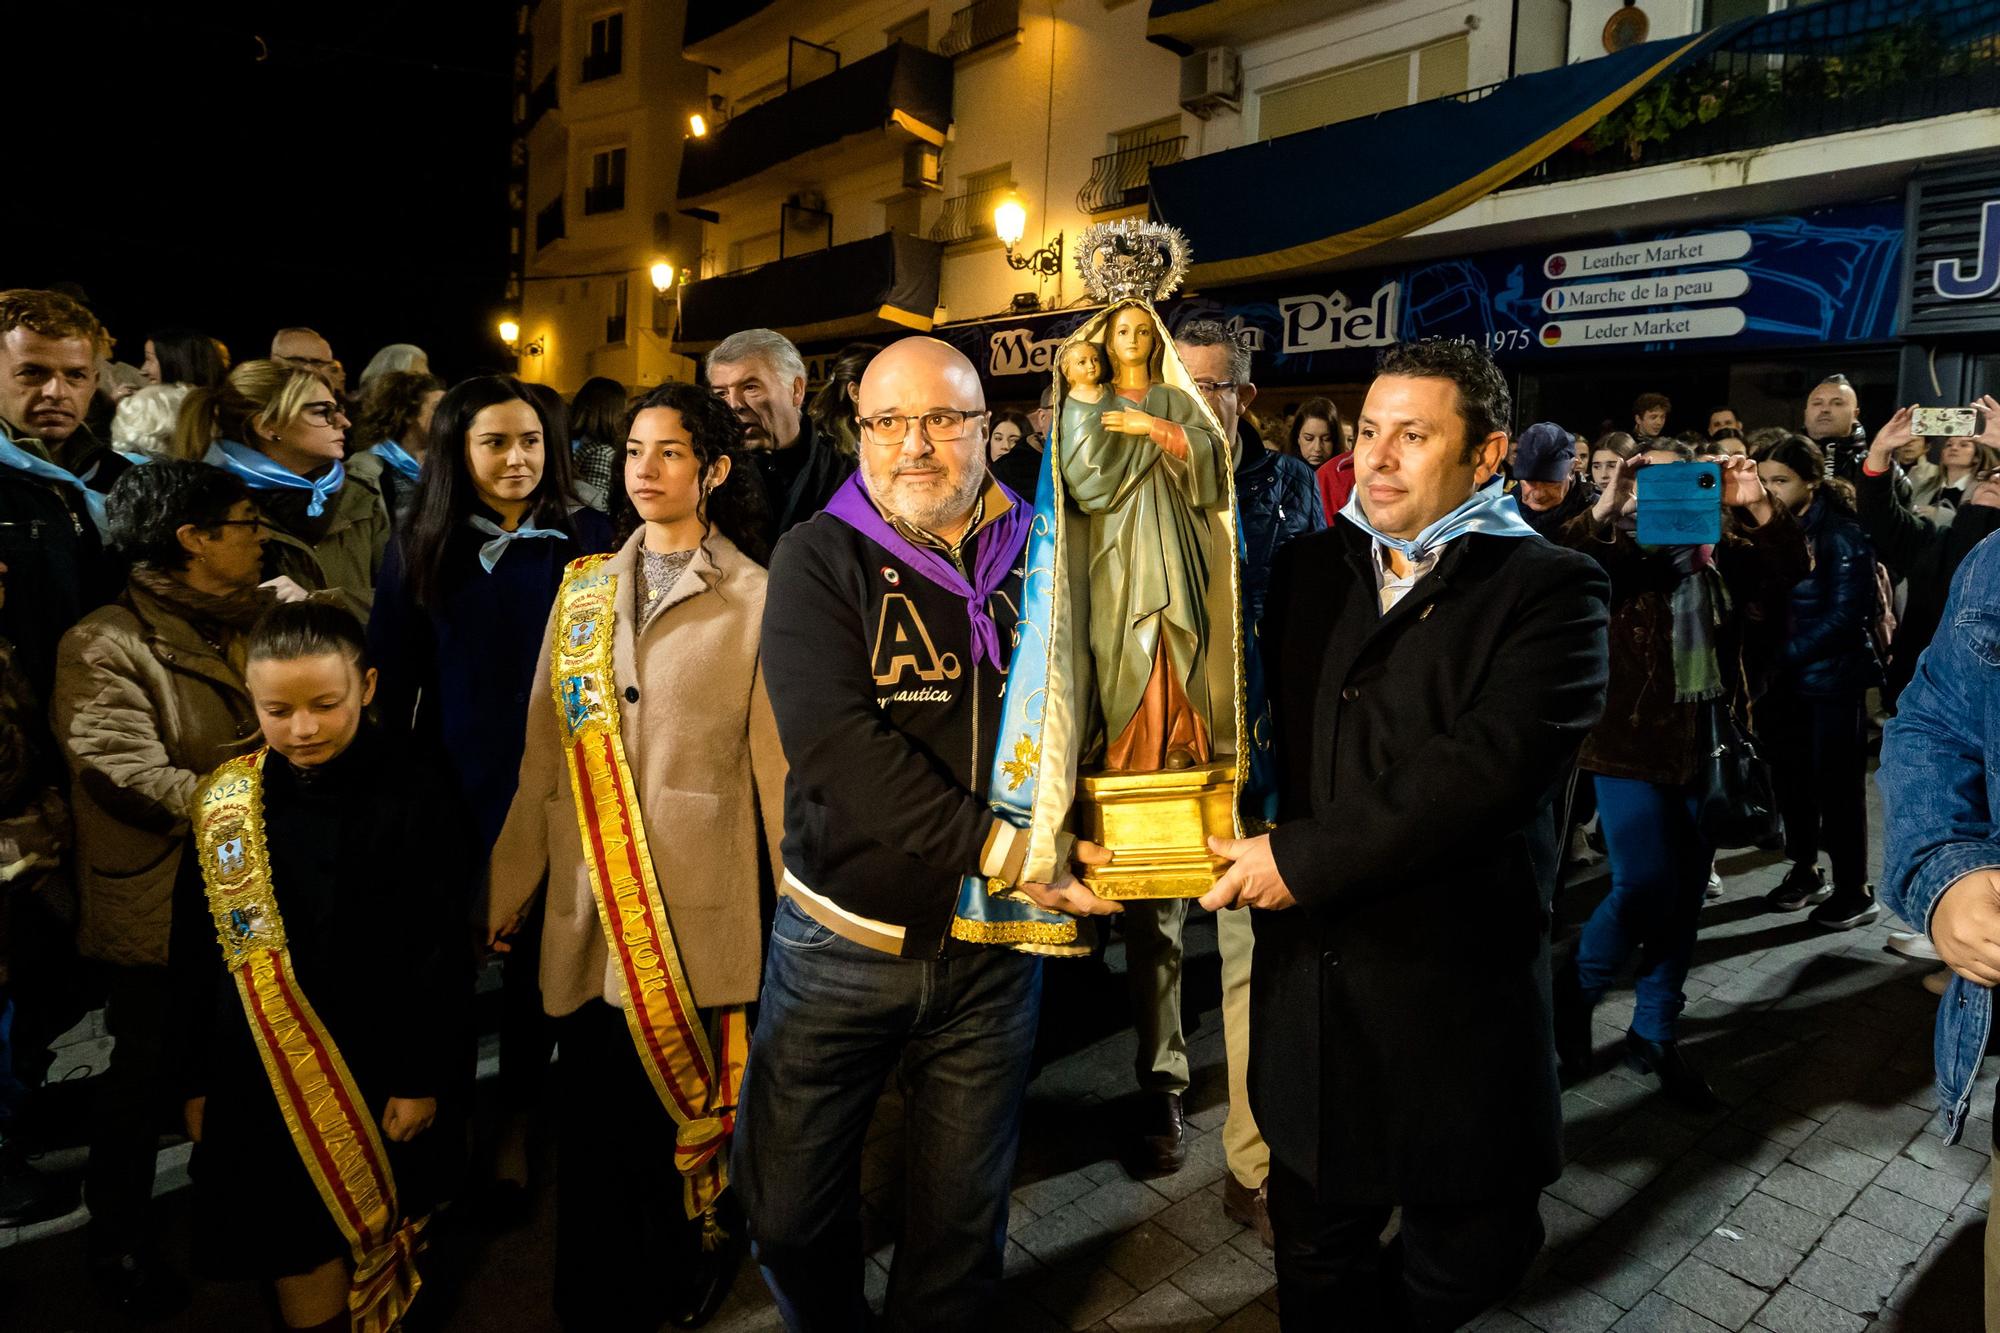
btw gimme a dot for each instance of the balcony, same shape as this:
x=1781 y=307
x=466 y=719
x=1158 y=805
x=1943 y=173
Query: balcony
x=1828 y=68
x=1181 y=26
x=541 y=101
x=1836 y=66
x=549 y=225
x=980 y=24
x=1119 y=180
x=885 y=101
x=603 y=199
x=882 y=284
x=968 y=217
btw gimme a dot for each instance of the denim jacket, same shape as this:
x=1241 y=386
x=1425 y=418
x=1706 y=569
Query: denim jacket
x=1940 y=778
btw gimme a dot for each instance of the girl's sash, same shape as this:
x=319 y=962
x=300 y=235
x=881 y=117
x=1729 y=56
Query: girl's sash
x=329 y=1121
x=698 y=1091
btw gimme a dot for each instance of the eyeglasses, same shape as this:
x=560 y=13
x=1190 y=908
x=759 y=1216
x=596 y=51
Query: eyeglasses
x=255 y=524
x=1212 y=387
x=321 y=414
x=939 y=427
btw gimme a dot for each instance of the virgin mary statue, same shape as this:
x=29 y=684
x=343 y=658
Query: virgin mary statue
x=1125 y=700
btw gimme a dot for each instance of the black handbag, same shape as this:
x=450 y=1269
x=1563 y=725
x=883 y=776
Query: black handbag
x=1739 y=807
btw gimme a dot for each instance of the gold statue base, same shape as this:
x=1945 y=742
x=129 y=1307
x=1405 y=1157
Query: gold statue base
x=1157 y=827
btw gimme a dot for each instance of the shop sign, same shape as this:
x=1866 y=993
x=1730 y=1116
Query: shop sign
x=1952 y=285
x=1817 y=279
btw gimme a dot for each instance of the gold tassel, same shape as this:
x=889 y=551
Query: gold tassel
x=713 y=1237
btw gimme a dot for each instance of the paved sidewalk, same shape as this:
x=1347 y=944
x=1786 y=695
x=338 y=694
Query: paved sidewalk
x=1821 y=1201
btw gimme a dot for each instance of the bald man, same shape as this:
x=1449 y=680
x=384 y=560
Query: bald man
x=881 y=624
x=308 y=348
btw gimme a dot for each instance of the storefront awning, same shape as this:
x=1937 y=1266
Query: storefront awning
x=887 y=282
x=1314 y=197
x=1308 y=199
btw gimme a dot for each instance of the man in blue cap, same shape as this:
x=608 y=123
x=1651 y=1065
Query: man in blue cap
x=1545 y=473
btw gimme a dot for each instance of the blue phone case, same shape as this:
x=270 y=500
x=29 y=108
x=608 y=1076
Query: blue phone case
x=1680 y=504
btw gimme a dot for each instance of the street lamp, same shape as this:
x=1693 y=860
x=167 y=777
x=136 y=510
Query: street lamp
x=697 y=125
x=1010 y=223
x=662 y=274
x=510 y=333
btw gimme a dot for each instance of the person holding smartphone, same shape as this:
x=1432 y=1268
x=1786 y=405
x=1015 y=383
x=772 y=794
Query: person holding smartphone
x=1681 y=635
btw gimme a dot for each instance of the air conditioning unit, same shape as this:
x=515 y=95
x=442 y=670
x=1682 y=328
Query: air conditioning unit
x=923 y=167
x=1211 y=81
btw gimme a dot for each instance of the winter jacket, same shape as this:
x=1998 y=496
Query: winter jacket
x=339 y=552
x=1276 y=501
x=1645 y=734
x=1580 y=497
x=1335 y=482
x=1923 y=551
x=798 y=484
x=1829 y=652
x=709 y=778
x=145 y=706
x=57 y=567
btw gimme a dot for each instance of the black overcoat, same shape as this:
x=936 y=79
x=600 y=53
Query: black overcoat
x=1401 y=1047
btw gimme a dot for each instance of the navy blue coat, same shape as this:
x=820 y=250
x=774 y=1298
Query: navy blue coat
x=1830 y=650
x=1278 y=500
x=457 y=675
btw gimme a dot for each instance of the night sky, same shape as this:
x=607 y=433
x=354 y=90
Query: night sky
x=349 y=173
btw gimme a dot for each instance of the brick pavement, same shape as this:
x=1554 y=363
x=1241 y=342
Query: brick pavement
x=1819 y=1201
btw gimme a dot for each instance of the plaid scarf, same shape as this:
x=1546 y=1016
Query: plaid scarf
x=1700 y=601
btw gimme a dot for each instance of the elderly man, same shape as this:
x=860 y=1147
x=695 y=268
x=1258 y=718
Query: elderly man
x=763 y=379
x=879 y=678
x=306 y=347
x=1433 y=669
x=1545 y=472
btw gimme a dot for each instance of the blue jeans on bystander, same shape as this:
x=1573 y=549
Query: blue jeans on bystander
x=835 y=1020
x=1660 y=862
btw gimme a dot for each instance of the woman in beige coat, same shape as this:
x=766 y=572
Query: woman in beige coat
x=687 y=695
x=149 y=698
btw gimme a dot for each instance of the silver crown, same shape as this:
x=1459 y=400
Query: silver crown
x=1131 y=258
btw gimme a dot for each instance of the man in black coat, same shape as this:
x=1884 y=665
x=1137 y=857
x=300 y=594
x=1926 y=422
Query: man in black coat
x=762 y=377
x=1432 y=675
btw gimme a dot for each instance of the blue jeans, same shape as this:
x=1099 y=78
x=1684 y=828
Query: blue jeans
x=1660 y=862
x=835 y=1020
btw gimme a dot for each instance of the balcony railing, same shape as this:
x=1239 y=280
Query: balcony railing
x=602 y=65
x=969 y=216
x=981 y=23
x=542 y=100
x=1118 y=180
x=603 y=199
x=1827 y=68
x=549 y=223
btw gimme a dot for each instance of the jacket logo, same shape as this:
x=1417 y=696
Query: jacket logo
x=890 y=575
x=903 y=644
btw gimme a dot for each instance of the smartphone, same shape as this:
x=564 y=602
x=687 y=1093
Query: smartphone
x=1680 y=504
x=1942 y=423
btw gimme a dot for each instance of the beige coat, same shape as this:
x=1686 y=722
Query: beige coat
x=143 y=708
x=703 y=747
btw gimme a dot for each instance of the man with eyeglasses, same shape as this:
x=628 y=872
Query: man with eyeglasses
x=888 y=624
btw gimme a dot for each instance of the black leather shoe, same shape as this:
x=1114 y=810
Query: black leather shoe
x=1680 y=1081
x=712 y=1275
x=1161 y=1148
x=1576 y=1052
x=141 y=1286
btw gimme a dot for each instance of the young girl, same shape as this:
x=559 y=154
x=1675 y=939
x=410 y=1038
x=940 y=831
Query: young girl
x=463 y=597
x=337 y=876
x=649 y=726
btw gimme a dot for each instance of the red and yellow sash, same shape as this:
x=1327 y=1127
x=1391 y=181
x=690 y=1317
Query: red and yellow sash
x=329 y=1121
x=698 y=1090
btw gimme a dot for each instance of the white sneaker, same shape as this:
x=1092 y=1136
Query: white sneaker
x=1714 y=885
x=1912 y=945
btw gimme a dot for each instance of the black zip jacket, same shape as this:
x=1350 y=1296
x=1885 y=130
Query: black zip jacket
x=887 y=724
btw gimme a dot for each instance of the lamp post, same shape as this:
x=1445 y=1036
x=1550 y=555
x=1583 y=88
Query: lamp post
x=510 y=333
x=1010 y=223
x=662 y=274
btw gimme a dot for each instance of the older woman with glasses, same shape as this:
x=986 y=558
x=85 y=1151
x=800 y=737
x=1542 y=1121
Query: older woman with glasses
x=281 y=430
x=149 y=697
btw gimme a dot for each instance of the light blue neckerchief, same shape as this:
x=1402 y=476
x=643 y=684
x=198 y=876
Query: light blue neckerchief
x=1489 y=510
x=490 y=552
x=259 y=473
x=14 y=456
x=397 y=457
x=136 y=457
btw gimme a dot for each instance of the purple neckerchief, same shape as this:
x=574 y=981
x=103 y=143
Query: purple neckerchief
x=999 y=548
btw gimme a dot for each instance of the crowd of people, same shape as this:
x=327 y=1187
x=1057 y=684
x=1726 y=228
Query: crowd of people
x=314 y=701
